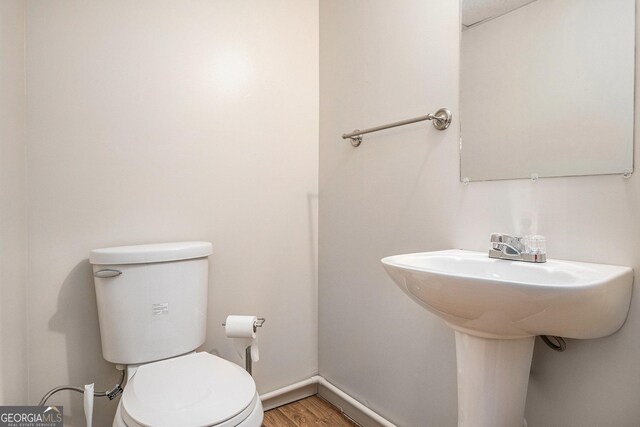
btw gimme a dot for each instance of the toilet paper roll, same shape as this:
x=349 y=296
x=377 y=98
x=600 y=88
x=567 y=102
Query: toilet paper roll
x=242 y=329
x=240 y=326
x=88 y=403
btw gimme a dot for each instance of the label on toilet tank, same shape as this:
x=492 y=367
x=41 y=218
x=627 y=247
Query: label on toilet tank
x=162 y=308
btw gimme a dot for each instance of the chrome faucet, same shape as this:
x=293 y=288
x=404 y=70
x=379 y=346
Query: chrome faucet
x=528 y=248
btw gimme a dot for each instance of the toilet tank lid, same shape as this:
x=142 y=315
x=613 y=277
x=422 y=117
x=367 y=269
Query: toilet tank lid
x=158 y=252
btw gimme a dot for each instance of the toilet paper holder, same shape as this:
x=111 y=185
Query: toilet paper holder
x=248 y=360
x=257 y=324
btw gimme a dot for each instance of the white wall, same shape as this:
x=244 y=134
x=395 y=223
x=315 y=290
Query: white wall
x=400 y=192
x=164 y=120
x=13 y=221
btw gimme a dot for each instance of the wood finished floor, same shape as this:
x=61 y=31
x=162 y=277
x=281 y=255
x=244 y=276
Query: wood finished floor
x=312 y=411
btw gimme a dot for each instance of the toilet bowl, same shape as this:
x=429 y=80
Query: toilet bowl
x=195 y=390
x=152 y=310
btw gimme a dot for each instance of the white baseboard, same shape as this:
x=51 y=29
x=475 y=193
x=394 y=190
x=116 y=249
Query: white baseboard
x=347 y=408
x=290 y=396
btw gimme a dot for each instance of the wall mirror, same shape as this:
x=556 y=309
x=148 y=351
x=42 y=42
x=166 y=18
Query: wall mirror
x=546 y=88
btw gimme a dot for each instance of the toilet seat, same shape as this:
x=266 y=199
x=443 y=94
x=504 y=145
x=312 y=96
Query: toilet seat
x=196 y=390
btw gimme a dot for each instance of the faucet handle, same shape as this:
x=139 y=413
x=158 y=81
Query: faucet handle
x=504 y=238
x=497 y=237
x=535 y=245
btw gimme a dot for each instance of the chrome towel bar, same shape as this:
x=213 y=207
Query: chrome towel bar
x=441 y=120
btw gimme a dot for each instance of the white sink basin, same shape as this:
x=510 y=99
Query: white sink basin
x=496 y=298
x=497 y=307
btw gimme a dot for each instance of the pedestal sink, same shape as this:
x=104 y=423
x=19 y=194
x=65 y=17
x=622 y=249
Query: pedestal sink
x=496 y=309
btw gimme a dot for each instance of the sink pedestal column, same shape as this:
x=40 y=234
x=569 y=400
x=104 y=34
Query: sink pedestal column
x=493 y=375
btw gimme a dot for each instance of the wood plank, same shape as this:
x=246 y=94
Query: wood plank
x=310 y=412
x=275 y=418
x=303 y=417
x=330 y=413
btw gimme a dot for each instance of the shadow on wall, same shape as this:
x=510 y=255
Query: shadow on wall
x=260 y=300
x=312 y=209
x=77 y=320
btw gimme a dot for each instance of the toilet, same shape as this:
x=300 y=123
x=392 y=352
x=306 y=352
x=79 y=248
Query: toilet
x=152 y=309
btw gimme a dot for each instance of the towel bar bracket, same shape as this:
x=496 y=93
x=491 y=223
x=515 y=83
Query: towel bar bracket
x=356 y=140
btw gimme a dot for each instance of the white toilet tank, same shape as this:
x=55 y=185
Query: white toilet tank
x=152 y=299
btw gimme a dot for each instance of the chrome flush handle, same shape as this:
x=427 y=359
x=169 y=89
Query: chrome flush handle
x=107 y=273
